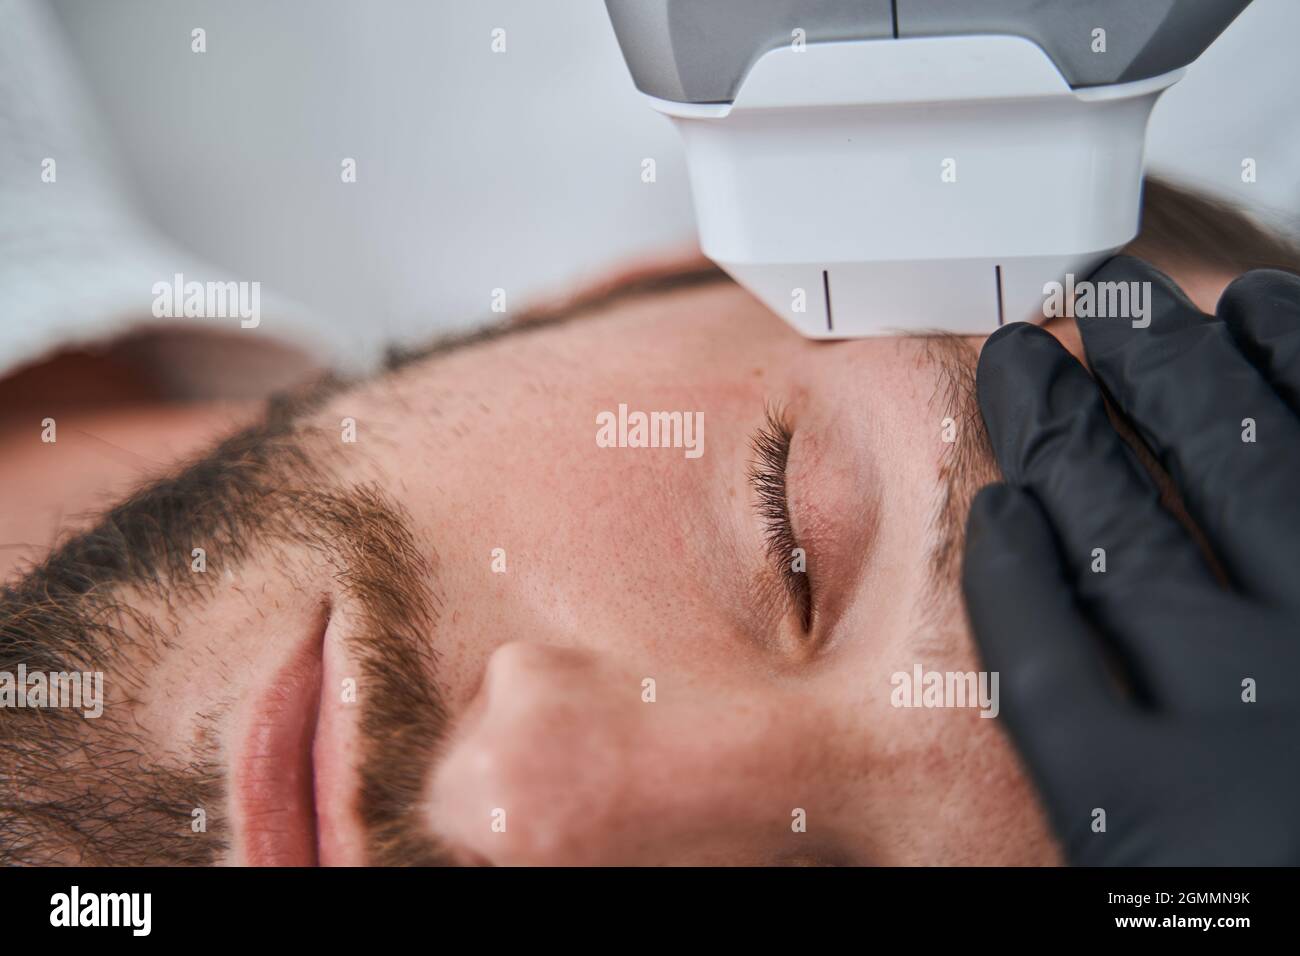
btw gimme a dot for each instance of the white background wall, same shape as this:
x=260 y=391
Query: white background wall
x=479 y=170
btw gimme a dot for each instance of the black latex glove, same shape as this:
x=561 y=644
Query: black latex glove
x=1124 y=690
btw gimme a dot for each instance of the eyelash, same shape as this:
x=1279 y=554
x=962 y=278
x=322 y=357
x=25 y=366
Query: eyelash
x=767 y=473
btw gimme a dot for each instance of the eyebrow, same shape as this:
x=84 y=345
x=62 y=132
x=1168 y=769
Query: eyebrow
x=965 y=466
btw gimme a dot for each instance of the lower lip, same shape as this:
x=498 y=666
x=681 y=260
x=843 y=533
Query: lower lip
x=274 y=788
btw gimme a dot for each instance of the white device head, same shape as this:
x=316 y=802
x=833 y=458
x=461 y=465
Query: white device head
x=933 y=178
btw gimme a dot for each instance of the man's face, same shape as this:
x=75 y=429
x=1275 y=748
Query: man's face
x=619 y=566
x=502 y=641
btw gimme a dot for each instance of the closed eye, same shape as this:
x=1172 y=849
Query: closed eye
x=767 y=476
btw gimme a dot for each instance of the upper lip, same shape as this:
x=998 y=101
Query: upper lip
x=274 y=783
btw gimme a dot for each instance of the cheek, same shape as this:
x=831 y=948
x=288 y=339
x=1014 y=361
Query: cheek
x=542 y=535
x=929 y=785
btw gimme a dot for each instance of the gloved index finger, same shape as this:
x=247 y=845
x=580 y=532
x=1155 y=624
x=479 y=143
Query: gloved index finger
x=1055 y=696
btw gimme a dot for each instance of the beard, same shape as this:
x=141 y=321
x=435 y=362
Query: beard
x=101 y=791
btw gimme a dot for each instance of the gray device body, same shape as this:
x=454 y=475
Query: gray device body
x=699 y=51
x=871 y=167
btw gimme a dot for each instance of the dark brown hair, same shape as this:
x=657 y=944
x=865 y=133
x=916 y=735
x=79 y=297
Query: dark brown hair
x=1183 y=227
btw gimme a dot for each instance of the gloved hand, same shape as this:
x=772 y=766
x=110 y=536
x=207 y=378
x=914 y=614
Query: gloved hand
x=1153 y=690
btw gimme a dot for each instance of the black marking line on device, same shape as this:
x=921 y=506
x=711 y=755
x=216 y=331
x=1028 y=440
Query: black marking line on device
x=893 y=13
x=997 y=274
x=826 y=290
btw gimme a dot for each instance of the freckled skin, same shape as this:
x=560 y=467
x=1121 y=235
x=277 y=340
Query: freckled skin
x=625 y=564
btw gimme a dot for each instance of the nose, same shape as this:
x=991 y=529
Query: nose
x=569 y=757
x=533 y=773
